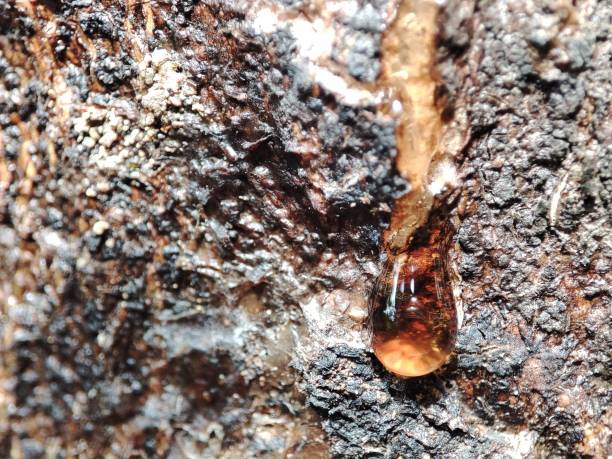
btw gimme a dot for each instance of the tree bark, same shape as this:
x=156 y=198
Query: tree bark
x=193 y=197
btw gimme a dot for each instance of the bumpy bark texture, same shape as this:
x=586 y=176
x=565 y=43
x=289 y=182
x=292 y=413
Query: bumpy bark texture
x=191 y=201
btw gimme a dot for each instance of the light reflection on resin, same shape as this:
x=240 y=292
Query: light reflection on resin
x=413 y=315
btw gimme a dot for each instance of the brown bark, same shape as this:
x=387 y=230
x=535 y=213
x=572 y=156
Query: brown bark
x=192 y=202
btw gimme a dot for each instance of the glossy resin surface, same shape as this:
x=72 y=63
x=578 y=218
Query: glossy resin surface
x=413 y=315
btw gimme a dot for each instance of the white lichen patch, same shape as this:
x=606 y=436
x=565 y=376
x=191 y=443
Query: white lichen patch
x=100 y=131
x=164 y=84
x=128 y=132
x=316 y=43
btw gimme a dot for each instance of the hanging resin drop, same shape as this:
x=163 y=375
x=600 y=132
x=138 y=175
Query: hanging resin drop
x=412 y=312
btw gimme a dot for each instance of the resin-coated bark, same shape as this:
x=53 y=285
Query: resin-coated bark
x=192 y=201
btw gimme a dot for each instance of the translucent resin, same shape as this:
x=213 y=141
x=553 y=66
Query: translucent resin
x=412 y=312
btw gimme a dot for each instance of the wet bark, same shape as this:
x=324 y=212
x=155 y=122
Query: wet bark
x=192 y=199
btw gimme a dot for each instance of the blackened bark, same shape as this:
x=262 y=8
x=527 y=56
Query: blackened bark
x=192 y=196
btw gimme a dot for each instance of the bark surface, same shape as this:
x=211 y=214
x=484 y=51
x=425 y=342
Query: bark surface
x=192 y=199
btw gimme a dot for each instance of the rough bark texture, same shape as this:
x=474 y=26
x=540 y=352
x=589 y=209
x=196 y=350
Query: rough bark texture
x=191 y=201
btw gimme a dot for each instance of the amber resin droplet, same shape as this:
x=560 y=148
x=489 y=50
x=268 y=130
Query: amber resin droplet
x=412 y=312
